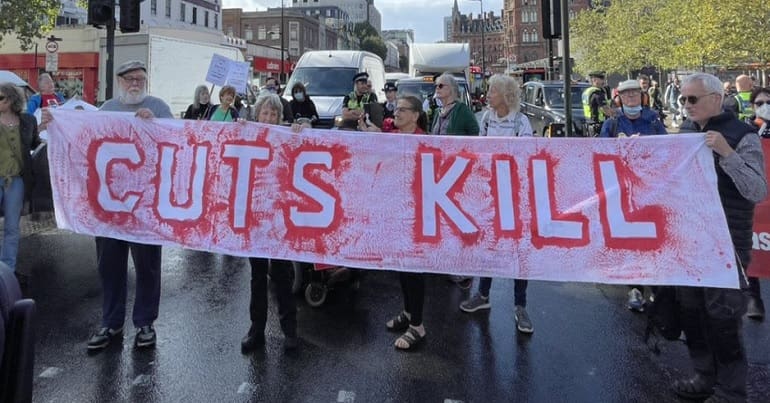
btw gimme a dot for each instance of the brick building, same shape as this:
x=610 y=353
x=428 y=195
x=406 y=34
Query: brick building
x=467 y=29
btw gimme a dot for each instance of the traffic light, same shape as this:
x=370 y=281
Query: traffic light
x=551 y=13
x=130 y=13
x=100 y=12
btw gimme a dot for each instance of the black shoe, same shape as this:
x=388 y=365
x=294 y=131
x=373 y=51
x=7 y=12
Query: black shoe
x=145 y=337
x=756 y=308
x=252 y=342
x=102 y=338
x=290 y=343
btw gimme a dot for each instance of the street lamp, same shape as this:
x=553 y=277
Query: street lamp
x=283 y=78
x=483 y=28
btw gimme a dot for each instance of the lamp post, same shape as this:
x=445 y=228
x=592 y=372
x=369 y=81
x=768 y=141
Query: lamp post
x=483 y=45
x=282 y=46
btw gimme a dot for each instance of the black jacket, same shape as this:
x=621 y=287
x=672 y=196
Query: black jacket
x=30 y=139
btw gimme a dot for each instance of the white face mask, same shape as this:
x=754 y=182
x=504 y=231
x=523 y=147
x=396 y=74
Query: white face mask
x=763 y=112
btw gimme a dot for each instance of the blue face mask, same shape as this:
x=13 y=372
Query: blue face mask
x=632 y=110
x=299 y=96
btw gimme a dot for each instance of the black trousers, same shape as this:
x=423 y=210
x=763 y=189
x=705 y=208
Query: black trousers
x=712 y=321
x=281 y=272
x=413 y=287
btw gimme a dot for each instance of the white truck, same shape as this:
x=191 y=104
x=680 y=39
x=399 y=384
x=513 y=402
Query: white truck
x=427 y=59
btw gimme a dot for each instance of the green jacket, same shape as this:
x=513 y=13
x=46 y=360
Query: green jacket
x=462 y=122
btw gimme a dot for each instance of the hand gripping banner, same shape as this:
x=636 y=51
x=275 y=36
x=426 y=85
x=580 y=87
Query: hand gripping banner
x=642 y=210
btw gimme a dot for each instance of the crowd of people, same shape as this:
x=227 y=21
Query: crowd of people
x=711 y=319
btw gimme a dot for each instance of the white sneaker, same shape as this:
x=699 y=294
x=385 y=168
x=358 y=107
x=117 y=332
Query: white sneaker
x=635 y=300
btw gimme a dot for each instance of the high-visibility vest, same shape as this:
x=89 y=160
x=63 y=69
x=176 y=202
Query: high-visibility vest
x=745 y=110
x=587 y=103
x=353 y=101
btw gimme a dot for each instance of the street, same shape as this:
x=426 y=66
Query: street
x=587 y=347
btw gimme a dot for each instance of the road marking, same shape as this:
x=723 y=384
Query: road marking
x=51 y=372
x=346 y=396
x=247 y=388
x=453 y=401
x=141 y=380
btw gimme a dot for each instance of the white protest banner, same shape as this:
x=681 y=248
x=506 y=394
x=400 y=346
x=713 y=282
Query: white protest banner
x=223 y=71
x=642 y=210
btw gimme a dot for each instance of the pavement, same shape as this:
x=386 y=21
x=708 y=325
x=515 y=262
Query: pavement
x=587 y=347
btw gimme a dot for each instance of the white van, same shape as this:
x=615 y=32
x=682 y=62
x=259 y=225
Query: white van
x=328 y=77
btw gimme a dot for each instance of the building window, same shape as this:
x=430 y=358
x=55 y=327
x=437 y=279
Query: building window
x=276 y=33
x=206 y=19
x=195 y=15
x=154 y=7
x=216 y=21
x=524 y=16
x=230 y=31
x=182 y=11
x=525 y=36
x=168 y=9
x=534 y=16
x=261 y=33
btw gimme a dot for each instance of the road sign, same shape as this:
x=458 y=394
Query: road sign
x=51 y=62
x=52 y=46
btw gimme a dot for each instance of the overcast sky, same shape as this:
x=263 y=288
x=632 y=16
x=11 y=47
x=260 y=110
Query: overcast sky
x=425 y=17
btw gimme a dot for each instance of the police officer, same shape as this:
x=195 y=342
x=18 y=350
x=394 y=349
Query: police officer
x=353 y=103
x=389 y=106
x=595 y=104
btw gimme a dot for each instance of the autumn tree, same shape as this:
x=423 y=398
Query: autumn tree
x=27 y=19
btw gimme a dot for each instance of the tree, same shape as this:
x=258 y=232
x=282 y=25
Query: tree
x=27 y=19
x=375 y=45
x=362 y=30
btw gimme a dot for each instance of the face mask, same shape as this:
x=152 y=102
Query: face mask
x=438 y=101
x=299 y=96
x=632 y=110
x=271 y=90
x=763 y=112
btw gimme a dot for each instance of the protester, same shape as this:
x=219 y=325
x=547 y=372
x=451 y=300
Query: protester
x=46 y=97
x=272 y=86
x=112 y=254
x=632 y=119
x=225 y=111
x=269 y=110
x=672 y=101
x=18 y=137
x=301 y=104
x=454 y=117
x=711 y=318
x=409 y=118
x=199 y=109
x=503 y=119
x=760 y=100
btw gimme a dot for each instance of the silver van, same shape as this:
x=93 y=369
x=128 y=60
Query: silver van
x=328 y=77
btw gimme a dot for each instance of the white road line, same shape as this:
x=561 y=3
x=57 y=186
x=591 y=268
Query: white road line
x=452 y=401
x=346 y=396
x=247 y=388
x=141 y=380
x=51 y=372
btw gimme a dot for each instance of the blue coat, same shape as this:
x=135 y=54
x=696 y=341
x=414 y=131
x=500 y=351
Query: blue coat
x=647 y=123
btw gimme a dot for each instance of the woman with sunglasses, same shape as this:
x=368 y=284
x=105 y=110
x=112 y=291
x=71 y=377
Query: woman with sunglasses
x=760 y=102
x=18 y=136
x=454 y=117
x=408 y=117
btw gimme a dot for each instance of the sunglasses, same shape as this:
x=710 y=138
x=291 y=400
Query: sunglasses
x=692 y=99
x=2 y=98
x=757 y=104
x=440 y=86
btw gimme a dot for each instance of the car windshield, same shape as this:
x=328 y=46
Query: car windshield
x=323 y=81
x=554 y=97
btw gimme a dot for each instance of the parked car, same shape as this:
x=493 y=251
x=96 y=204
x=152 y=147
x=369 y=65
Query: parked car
x=543 y=103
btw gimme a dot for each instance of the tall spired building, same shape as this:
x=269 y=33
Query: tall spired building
x=468 y=29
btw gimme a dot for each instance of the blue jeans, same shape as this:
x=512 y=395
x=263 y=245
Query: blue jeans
x=12 y=197
x=519 y=290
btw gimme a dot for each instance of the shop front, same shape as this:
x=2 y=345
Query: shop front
x=77 y=76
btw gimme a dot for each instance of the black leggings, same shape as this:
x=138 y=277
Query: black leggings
x=413 y=287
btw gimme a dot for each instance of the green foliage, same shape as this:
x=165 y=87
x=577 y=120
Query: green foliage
x=27 y=19
x=363 y=30
x=627 y=35
x=375 y=45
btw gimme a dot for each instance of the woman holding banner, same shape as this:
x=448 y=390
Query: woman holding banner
x=269 y=110
x=199 y=109
x=409 y=118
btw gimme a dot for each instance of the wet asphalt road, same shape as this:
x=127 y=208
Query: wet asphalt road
x=586 y=347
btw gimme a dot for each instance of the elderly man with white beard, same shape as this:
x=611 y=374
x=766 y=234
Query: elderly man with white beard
x=112 y=254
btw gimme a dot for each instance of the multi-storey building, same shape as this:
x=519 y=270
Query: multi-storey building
x=467 y=29
x=358 y=10
x=336 y=19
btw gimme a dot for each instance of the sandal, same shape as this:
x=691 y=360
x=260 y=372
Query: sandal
x=411 y=337
x=398 y=323
x=697 y=387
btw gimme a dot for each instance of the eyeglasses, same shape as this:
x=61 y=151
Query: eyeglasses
x=692 y=99
x=757 y=104
x=135 y=80
x=2 y=98
x=403 y=109
x=631 y=93
x=440 y=86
